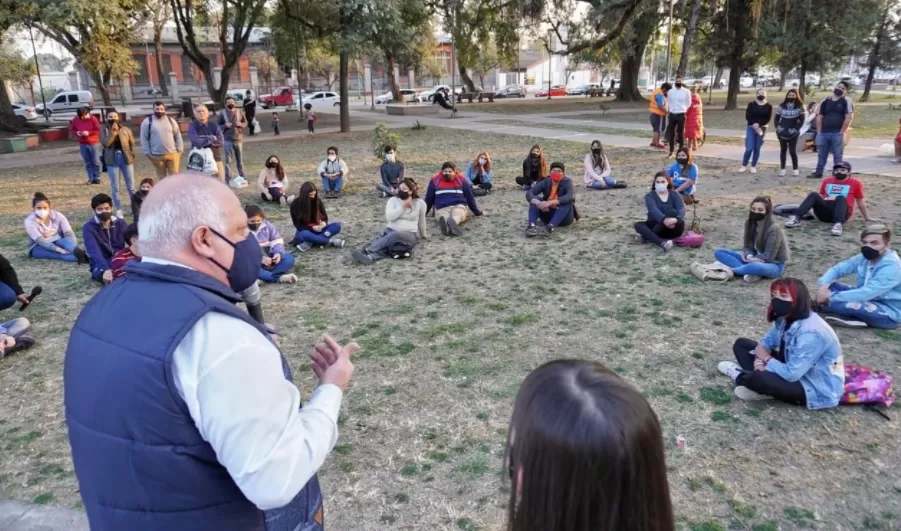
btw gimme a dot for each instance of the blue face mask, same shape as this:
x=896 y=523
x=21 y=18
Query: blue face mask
x=245 y=265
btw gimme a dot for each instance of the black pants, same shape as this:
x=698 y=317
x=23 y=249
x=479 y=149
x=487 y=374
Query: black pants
x=656 y=233
x=480 y=188
x=275 y=129
x=790 y=145
x=310 y=126
x=675 y=129
x=765 y=382
x=525 y=181
x=834 y=211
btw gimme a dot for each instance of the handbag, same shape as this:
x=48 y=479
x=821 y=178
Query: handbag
x=201 y=160
x=715 y=272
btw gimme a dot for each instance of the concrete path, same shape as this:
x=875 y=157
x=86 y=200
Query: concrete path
x=15 y=516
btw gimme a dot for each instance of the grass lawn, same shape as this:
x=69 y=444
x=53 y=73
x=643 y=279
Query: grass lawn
x=448 y=336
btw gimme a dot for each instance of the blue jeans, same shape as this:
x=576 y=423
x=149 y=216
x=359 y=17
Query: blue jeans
x=753 y=143
x=46 y=254
x=127 y=170
x=332 y=186
x=319 y=238
x=7 y=296
x=90 y=155
x=826 y=143
x=609 y=181
x=561 y=216
x=238 y=149
x=868 y=312
x=733 y=260
x=279 y=269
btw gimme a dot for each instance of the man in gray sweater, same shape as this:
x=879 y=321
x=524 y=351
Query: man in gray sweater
x=232 y=122
x=161 y=141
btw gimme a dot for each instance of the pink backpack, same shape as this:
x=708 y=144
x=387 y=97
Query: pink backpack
x=690 y=239
x=864 y=385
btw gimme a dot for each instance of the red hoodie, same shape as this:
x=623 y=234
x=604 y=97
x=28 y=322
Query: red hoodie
x=91 y=125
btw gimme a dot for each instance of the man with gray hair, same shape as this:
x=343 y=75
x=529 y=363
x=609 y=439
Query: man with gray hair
x=181 y=410
x=205 y=134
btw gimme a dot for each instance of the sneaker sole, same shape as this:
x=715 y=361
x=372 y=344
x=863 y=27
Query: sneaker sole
x=453 y=228
x=442 y=224
x=748 y=395
x=846 y=323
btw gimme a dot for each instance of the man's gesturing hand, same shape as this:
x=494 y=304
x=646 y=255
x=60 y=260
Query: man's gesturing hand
x=331 y=362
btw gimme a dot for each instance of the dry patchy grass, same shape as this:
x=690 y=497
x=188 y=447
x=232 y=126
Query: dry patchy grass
x=448 y=336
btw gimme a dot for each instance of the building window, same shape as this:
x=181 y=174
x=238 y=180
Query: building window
x=167 y=65
x=141 y=77
x=187 y=69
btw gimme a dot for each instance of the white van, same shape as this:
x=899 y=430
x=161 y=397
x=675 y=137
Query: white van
x=67 y=102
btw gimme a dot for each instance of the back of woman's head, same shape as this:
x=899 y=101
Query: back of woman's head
x=39 y=197
x=585 y=452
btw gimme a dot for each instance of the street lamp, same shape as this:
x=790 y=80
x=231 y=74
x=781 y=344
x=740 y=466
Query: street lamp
x=669 y=41
x=37 y=67
x=550 y=58
x=454 y=58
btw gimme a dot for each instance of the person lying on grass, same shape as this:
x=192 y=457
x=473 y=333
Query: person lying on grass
x=799 y=361
x=405 y=214
x=585 y=452
x=553 y=201
x=478 y=173
x=450 y=194
x=666 y=214
x=311 y=221
x=765 y=251
x=597 y=169
x=875 y=301
x=276 y=263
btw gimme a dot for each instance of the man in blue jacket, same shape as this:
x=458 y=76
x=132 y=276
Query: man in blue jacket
x=875 y=301
x=205 y=134
x=551 y=200
x=449 y=194
x=104 y=236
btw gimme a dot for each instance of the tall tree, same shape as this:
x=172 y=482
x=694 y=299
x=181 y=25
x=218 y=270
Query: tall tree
x=737 y=35
x=51 y=62
x=162 y=13
x=691 y=28
x=397 y=27
x=884 y=44
x=12 y=12
x=229 y=22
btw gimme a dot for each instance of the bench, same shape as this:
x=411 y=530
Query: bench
x=421 y=109
x=469 y=96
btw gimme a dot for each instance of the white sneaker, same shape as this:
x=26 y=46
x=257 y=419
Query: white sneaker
x=753 y=169
x=742 y=169
x=336 y=242
x=792 y=222
x=795 y=173
x=730 y=369
x=846 y=322
x=287 y=279
x=782 y=172
x=283 y=201
x=304 y=247
x=746 y=394
x=667 y=246
x=837 y=229
x=751 y=278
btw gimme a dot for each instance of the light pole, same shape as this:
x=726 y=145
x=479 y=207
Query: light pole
x=453 y=94
x=550 y=58
x=669 y=41
x=37 y=67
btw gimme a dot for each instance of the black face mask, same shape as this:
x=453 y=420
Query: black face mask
x=838 y=92
x=869 y=253
x=230 y=105
x=254 y=226
x=533 y=155
x=104 y=216
x=271 y=165
x=678 y=85
x=596 y=150
x=792 y=99
x=781 y=308
x=112 y=122
x=840 y=176
x=448 y=176
x=757 y=216
x=761 y=98
x=402 y=195
x=681 y=160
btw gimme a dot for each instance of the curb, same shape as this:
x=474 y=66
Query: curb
x=16 y=516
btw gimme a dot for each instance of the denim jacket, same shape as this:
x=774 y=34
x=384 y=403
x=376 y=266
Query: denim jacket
x=813 y=356
x=882 y=288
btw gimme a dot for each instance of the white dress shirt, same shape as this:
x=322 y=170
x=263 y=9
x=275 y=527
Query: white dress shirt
x=678 y=100
x=230 y=376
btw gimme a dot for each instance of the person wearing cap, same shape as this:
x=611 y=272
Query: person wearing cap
x=551 y=200
x=835 y=201
x=875 y=300
x=449 y=193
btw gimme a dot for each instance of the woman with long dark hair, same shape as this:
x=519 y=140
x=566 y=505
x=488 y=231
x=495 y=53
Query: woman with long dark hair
x=684 y=174
x=405 y=214
x=666 y=214
x=585 y=452
x=311 y=221
x=273 y=182
x=758 y=114
x=597 y=169
x=534 y=168
x=799 y=361
x=764 y=252
x=790 y=116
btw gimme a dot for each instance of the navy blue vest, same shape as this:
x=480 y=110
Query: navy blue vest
x=140 y=461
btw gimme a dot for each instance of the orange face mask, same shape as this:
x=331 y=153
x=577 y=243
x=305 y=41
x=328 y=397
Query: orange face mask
x=556 y=176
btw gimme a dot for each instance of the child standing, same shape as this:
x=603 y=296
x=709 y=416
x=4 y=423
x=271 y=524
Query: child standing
x=310 y=116
x=275 y=123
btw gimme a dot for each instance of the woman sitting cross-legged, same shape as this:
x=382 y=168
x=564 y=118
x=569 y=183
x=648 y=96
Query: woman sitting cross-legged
x=666 y=214
x=333 y=172
x=534 y=168
x=405 y=213
x=597 y=169
x=51 y=235
x=765 y=252
x=277 y=264
x=799 y=361
x=478 y=173
x=311 y=221
x=684 y=175
x=273 y=182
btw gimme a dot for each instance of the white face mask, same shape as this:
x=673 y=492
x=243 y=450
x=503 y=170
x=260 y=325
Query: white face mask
x=333 y=158
x=42 y=213
x=660 y=187
x=389 y=157
x=483 y=161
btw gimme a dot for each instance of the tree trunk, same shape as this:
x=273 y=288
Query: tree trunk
x=102 y=87
x=158 y=49
x=632 y=51
x=392 y=79
x=802 y=81
x=344 y=107
x=717 y=77
x=464 y=76
x=734 y=85
x=8 y=120
x=628 y=79
x=689 y=37
x=782 y=74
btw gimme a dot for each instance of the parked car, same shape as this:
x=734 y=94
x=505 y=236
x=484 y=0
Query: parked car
x=282 y=96
x=429 y=95
x=237 y=95
x=746 y=82
x=66 y=102
x=851 y=80
x=556 y=90
x=321 y=99
x=407 y=94
x=708 y=80
x=511 y=91
x=29 y=113
x=581 y=90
